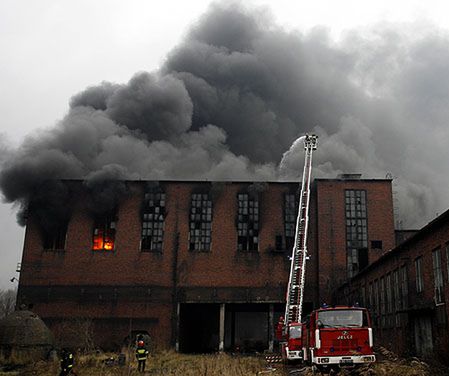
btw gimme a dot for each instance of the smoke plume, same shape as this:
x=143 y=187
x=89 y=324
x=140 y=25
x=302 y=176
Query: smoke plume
x=235 y=94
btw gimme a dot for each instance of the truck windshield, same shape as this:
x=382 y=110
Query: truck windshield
x=295 y=332
x=341 y=318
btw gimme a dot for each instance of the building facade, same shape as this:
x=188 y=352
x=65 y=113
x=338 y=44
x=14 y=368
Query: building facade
x=406 y=290
x=200 y=266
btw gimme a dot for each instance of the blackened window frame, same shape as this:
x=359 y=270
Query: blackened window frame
x=290 y=217
x=200 y=222
x=153 y=221
x=248 y=222
x=356 y=220
x=55 y=239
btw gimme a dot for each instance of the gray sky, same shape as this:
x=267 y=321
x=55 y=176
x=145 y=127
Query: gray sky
x=52 y=50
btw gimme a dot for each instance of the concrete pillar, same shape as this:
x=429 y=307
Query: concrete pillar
x=271 y=327
x=222 y=328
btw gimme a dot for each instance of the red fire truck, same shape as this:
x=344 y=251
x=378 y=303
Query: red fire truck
x=336 y=337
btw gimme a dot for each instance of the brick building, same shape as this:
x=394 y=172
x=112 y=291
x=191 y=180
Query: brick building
x=406 y=290
x=200 y=266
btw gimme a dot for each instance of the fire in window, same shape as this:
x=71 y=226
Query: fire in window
x=200 y=222
x=248 y=223
x=153 y=221
x=104 y=234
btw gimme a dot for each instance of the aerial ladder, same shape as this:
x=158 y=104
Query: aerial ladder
x=290 y=326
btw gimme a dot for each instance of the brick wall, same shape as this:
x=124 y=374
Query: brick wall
x=331 y=227
x=129 y=285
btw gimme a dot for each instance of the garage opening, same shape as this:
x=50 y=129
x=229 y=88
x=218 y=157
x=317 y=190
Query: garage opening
x=199 y=328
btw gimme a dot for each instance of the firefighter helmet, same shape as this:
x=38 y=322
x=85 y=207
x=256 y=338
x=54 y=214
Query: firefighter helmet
x=140 y=343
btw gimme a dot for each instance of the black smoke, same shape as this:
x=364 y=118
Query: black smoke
x=234 y=95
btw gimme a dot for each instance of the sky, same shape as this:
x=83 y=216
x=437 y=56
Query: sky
x=52 y=50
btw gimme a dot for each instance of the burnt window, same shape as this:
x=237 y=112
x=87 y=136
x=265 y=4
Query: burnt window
x=200 y=222
x=248 y=222
x=290 y=214
x=356 y=230
x=153 y=216
x=104 y=234
x=54 y=239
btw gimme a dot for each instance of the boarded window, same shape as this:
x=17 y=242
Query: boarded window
x=248 y=222
x=419 y=275
x=104 y=234
x=200 y=222
x=290 y=214
x=153 y=217
x=356 y=231
x=54 y=239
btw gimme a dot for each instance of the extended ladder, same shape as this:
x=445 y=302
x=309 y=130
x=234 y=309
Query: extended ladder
x=295 y=289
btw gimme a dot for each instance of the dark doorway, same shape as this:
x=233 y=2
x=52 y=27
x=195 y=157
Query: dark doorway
x=199 y=328
x=247 y=327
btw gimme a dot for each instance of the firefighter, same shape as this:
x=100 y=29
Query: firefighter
x=141 y=355
x=66 y=362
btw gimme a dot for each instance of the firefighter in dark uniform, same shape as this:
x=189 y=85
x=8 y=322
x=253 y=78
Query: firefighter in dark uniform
x=141 y=355
x=66 y=362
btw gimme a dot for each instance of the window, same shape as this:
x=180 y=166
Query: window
x=370 y=296
x=356 y=231
x=397 y=296
x=153 y=217
x=447 y=259
x=404 y=287
x=419 y=276
x=248 y=223
x=389 y=295
x=278 y=243
x=290 y=215
x=104 y=234
x=376 y=244
x=376 y=301
x=54 y=239
x=437 y=275
x=382 y=301
x=200 y=222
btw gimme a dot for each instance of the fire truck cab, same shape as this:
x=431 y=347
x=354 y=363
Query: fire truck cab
x=337 y=337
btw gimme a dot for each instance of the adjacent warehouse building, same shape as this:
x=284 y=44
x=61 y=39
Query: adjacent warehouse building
x=200 y=266
x=407 y=290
